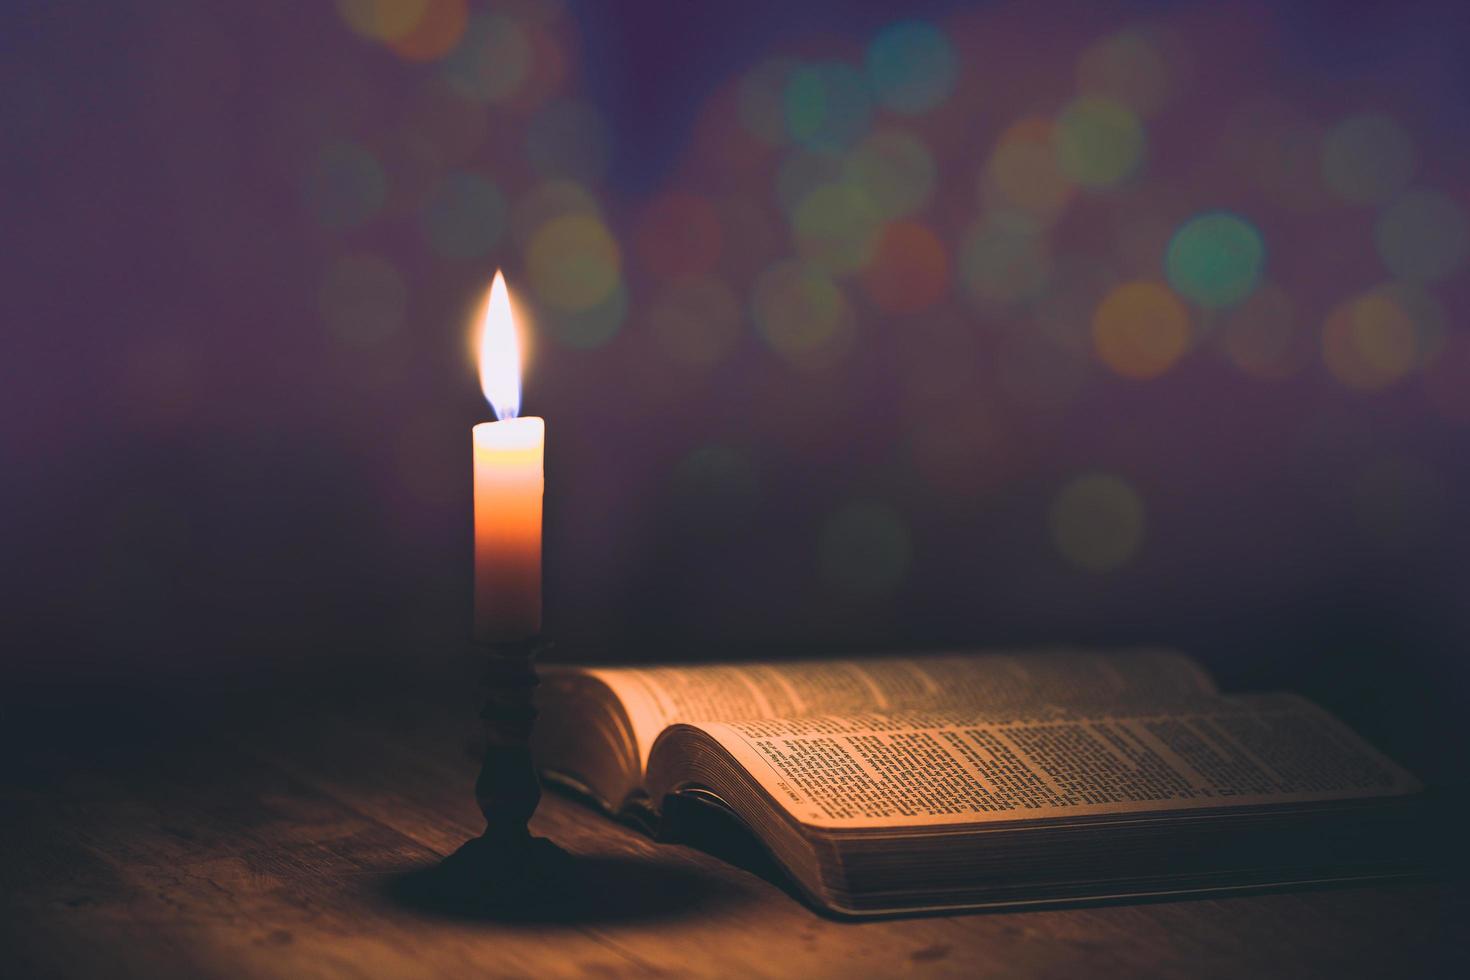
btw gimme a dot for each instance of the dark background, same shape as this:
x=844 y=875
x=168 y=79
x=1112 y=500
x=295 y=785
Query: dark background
x=791 y=406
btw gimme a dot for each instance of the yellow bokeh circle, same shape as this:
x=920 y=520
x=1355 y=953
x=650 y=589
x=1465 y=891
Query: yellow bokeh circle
x=1370 y=342
x=382 y=20
x=1140 y=330
x=574 y=263
x=802 y=314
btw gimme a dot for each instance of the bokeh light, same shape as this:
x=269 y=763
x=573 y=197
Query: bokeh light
x=568 y=139
x=910 y=272
x=345 y=187
x=896 y=171
x=1023 y=173
x=1127 y=68
x=866 y=549
x=465 y=216
x=437 y=32
x=1370 y=342
x=1097 y=522
x=362 y=299
x=1423 y=235
x=1367 y=159
x=1099 y=142
x=802 y=314
x=911 y=67
x=836 y=227
x=697 y=320
x=678 y=234
x=1004 y=260
x=1261 y=336
x=574 y=263
x=1215 y=259
x=382 y=20
x=491 y=60
x=1140 y=330
x=827 y=105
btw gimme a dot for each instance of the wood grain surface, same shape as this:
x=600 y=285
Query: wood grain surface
x=277 y=848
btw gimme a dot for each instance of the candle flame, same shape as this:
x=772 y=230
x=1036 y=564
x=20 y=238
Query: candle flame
x=500 y=354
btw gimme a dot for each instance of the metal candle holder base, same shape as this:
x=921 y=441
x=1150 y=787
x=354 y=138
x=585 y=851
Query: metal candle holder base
x=505 y=864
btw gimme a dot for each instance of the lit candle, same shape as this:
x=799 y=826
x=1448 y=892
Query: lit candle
x=508 y=483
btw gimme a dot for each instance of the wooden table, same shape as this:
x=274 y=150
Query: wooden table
x=273 y=849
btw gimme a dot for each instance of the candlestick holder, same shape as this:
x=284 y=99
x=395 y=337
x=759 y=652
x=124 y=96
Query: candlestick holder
x=506 y=866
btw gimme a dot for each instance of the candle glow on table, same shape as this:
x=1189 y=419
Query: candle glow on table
x=508 y=486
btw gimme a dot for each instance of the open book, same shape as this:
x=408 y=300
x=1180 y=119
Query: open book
x=951 y=781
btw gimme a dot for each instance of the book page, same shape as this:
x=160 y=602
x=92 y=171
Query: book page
x=656 y=697
x=921 y=769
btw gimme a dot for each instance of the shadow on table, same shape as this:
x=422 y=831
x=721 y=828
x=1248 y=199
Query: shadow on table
x=577 y=889
x=572 y=888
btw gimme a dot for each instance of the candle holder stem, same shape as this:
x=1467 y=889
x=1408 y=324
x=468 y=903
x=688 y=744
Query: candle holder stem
x=508 y=789
x=506 y=863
